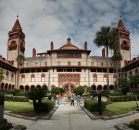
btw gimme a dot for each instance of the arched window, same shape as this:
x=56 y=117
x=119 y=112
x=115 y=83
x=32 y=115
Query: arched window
x=13 y=42
x=94 y=77
x=42 y=77
x=105 y=77
x=7 y=75
x=32 y=78
x=22 y=78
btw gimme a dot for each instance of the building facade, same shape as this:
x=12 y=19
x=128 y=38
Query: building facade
x=66 y=67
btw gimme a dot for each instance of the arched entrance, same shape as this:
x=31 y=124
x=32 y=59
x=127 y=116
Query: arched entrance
x=69 y=88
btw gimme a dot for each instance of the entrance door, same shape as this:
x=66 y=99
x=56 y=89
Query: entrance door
x=67 y=90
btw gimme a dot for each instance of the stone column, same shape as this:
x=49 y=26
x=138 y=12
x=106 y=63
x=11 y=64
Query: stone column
x=1 y=107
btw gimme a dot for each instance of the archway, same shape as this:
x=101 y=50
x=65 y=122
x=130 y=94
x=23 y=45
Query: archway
x=26 y=88
x=32 y=86
x=38 y=86
x=66 y=88
x=21 y=88
x=10 y=86
x=105 y=87
x=2 y=86
x=6 y=86
x=99 y=88
x=93 y=87
x=111 y=87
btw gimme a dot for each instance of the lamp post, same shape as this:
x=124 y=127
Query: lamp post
x=69 y=87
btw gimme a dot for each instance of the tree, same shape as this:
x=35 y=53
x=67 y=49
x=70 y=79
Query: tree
x=1 y=76
x=37 y=94
x=55 y=90
x=99 y=94
x=89 y=89
x=20 y=62
x=123 y=85
x=134 y=79
x=107 y=38
x=79 y=90
x=116 y=57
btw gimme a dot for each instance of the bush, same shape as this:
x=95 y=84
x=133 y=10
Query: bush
x=20 y=94
x=47 y=105
x=92 y=105
x=4 y=125
x=15 y=98
x=123 y=98
x=134 y=124
x=116 y=94
x=79 y=90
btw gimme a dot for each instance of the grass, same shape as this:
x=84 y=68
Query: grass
x=18 y=106
x=121 y=107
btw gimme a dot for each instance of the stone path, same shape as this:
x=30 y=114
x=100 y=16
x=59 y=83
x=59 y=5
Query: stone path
x=68 y=117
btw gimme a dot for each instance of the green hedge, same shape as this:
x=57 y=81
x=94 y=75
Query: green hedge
x=20 y=94
x=123 y=98
x=47 y=105
x=92 y=105
x=15 y=98
x=4 y=125
x=116 y=94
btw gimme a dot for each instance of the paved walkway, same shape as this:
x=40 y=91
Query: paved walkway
x=68 y=117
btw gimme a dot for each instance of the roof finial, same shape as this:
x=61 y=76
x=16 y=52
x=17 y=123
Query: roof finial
x=68 y=40
x=120 y=17
x=17 y=15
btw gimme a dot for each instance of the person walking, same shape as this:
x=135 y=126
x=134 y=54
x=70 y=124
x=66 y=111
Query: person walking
x=78 y=100
x=59 y=99
x=72 y=100
x=55 y=98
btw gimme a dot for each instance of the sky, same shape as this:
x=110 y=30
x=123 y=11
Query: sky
x=44 y=21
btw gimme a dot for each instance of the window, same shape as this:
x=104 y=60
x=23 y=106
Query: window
x=114 y=79
x=43 y=79
x=22 y=79
x=27 y=64
x=110 y=64
x=92 y=63
x=69 y=63
x=45 y=63
x=94 y=79
x=32 y=79
x=58 y=63
x=101 y=64
x=105 y=79
x=36 y=63
x=79 y=63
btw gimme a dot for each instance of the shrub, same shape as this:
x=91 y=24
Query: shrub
x=20 y=94
x=123 y=98
x=134 y=124
x=92 y=105
x=47 y=105
x=116 y=94
x=15 y=98
x=4 y=125
x=79 y=90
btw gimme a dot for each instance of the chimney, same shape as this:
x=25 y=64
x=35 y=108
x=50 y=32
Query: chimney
x=103 y=52
x=52 y=46
x=85 y=45
x=33 y=52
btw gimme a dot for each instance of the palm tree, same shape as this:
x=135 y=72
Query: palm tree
x=37 y=94
x=20 y=62
x=107 y=38
x=99 y=94
x=1 y=76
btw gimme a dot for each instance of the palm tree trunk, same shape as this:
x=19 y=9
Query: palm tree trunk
x=99 y=104
x=107 y=70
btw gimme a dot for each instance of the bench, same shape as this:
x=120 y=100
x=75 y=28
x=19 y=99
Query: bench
x=137 y=103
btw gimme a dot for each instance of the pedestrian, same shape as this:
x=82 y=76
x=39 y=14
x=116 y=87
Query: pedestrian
x=59 y=99
x=55 y=98
x=78 y=100
x=72 y=100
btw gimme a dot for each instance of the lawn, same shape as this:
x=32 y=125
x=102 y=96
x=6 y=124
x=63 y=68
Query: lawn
x=121 y=107
x=18 y=106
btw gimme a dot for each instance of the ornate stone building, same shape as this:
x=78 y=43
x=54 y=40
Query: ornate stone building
x=66 y=67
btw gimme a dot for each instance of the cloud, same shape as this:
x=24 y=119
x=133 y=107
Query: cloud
x=44 y=21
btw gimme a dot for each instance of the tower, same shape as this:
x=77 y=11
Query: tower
x=124 y=43
x=16 y=43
